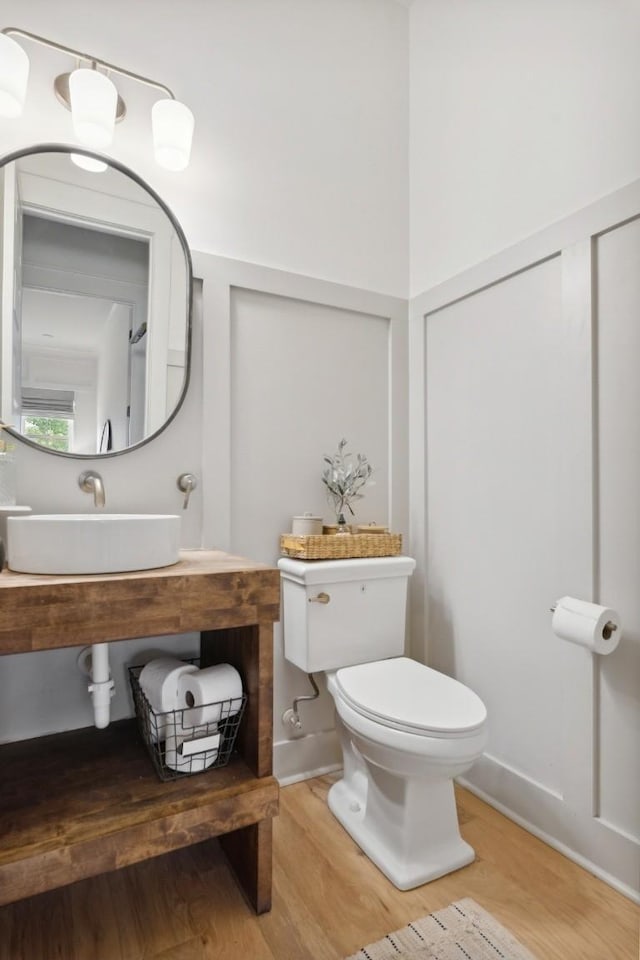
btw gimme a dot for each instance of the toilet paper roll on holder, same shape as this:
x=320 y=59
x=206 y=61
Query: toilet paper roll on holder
x=607 y=630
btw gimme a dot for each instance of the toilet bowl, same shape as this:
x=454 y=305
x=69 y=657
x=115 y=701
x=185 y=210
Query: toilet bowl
x=405 y=729
x=396 y=796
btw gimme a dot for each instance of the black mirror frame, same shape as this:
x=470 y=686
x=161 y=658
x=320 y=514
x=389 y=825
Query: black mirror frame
x=69 y=149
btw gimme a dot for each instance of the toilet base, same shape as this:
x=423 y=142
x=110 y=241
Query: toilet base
x=409 y=829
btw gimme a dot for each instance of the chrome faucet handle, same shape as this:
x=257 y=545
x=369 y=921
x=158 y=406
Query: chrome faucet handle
x=91 y=482
x=187 y=482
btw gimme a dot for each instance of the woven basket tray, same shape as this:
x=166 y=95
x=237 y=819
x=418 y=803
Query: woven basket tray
x=341 y=546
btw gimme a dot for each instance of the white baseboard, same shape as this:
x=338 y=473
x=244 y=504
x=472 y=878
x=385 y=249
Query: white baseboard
x=610 y=855
x=308 y=775
x=304 y=757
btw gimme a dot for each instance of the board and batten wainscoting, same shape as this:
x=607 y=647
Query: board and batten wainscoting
x=291 y=364
x=525 y=475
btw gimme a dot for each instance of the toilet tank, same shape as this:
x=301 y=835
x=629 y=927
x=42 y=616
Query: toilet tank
x=362 y=620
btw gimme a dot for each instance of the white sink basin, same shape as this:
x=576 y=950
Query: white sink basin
x=76 y=543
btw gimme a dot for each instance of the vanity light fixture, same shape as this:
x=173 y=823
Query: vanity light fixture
x=93 y=99
x=90 y=94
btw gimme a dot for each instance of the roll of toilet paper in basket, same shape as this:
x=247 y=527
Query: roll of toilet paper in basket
x=202 y=692
x=159 y=682
x=587 y=624
x=188 y=755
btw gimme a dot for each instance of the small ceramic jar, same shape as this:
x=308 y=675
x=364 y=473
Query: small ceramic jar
x=306 y=525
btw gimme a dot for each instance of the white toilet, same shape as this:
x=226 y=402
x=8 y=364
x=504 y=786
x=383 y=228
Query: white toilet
x=405 y=730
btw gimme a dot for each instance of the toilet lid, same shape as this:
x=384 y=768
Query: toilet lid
x=404 y=694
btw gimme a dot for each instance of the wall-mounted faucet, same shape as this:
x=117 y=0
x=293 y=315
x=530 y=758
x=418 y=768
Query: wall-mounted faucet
x=91 y=482
x=187 y=482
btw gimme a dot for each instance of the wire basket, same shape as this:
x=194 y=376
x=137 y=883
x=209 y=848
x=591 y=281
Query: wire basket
x=177 y=747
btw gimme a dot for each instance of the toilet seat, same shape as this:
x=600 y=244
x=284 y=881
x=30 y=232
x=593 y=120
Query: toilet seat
x=407 y=696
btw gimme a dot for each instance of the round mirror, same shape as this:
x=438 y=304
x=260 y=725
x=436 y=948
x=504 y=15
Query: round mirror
x=96 y=304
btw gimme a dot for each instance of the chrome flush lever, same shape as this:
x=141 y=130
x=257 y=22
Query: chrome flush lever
x=187 y=482
x=321 y=598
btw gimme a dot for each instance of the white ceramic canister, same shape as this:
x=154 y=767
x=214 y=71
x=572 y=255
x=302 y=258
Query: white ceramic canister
x=306 y=526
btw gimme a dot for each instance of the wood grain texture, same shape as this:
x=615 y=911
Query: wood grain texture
x=249 y=852
x=206 y=589
x=250 y=650
x=77 y=804
x=328 y=899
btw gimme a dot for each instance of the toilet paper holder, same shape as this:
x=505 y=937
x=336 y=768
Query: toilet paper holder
x=607 y=630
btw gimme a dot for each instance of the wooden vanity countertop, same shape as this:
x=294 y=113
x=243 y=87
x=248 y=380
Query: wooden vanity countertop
x=205 y=590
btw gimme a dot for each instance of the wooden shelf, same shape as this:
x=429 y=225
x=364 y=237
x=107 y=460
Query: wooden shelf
x=77 y=804
x=81 y=803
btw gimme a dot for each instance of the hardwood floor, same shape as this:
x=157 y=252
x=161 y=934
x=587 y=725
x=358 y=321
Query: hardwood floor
x=329 y=900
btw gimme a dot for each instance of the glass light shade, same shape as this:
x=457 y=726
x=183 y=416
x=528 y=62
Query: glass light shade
x=88 y=163
x=172 y=123
x=93 y=107
x=14 y=73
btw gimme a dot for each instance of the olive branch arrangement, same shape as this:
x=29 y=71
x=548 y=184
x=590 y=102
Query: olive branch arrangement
x=344 y=477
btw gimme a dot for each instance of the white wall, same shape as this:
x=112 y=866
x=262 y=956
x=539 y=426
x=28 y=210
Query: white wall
x=521 y=113
x=300 y=152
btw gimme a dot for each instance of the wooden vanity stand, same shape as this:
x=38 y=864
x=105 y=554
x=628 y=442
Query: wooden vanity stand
x=77 y=804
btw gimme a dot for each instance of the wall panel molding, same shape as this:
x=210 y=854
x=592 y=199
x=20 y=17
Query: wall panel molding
x=579 y=576
x=571 y=820
x=269 y=377
x=220 y=275
x=597 y=218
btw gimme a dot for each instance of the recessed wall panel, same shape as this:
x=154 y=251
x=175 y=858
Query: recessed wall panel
x=303 y=376
x=497 y=495
x=618 y=338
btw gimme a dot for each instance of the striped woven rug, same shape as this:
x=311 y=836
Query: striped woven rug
x=462 y=931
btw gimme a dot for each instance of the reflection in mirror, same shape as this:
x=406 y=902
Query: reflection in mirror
x=96 y=297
